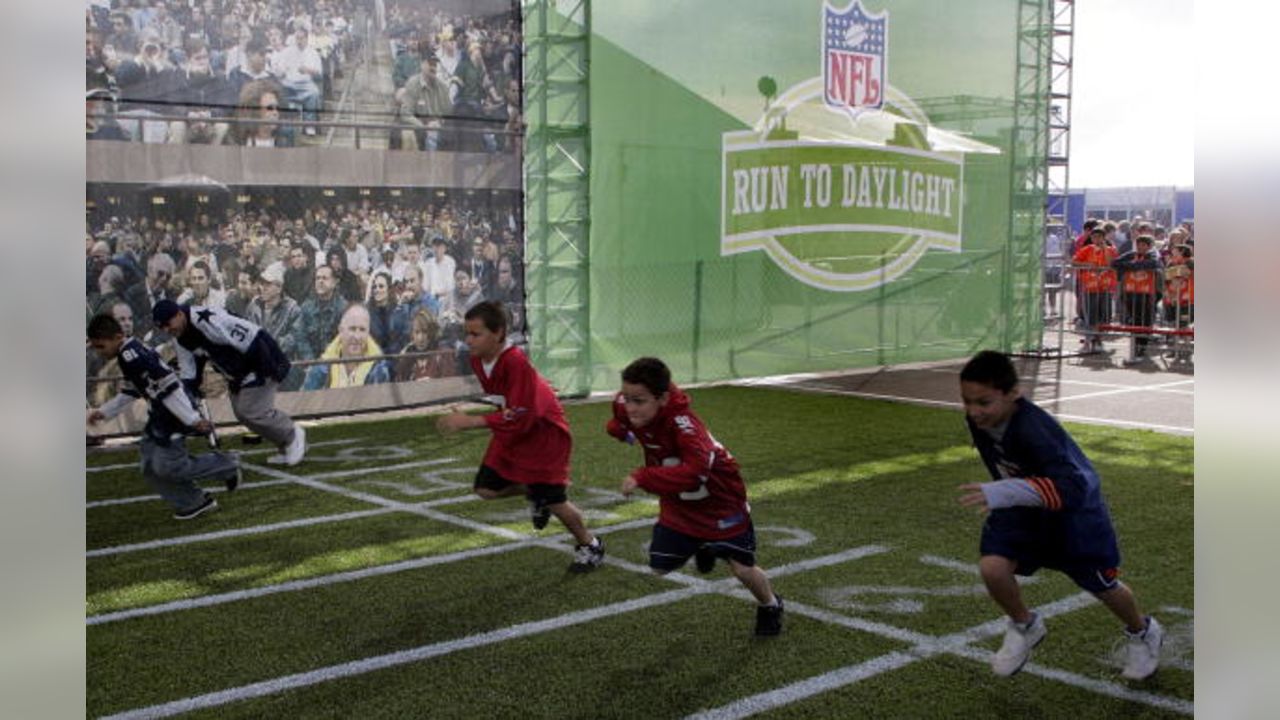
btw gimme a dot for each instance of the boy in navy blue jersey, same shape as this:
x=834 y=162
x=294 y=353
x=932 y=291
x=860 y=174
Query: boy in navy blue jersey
x=166 y=465
x=702 y=501
x=1046 y=510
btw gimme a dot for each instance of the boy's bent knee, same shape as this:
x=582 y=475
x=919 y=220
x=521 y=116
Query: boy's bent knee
x=486 y=493
x=997 y=566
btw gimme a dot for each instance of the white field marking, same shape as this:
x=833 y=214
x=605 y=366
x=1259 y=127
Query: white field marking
x=282 y=478
x=1036 y=382
x=402 y=566
x=367 y=453
x=144 y=498
x=1101 y=687
x=335 y=474
x=242 y=453
x=924 y=646
x=1119 y=391
x=970 y=568
x=432 y=478
x=797 y=537
x=423 y=652
x=950 y=404
x=693 y=587
x=223 y=534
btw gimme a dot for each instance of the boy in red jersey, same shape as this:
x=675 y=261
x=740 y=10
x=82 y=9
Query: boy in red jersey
x=703 y=510
x=529 y=451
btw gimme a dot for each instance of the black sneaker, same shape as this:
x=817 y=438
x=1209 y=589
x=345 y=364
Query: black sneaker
x=539 y=513
x=587 y=557
x=704 y=559
x=769 y=619
x=208 y=505
x=233 y=480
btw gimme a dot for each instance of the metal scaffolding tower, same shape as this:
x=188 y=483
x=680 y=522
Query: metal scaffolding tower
x=557 y=166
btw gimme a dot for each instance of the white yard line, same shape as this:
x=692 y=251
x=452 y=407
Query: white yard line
x=1117 y=391
x=147 y=498
x=239 y=532
x=242 y=453
x=423 y=652
x=555 y=542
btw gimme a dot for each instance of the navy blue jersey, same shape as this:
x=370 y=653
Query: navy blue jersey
x=238 y=349
x=153 y=380
x=1034 y=447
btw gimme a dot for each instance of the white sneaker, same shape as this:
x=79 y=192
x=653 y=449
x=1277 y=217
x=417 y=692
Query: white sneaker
x=277 y=459
x=1143 y=653
x=1017 y=646
x=297 y=447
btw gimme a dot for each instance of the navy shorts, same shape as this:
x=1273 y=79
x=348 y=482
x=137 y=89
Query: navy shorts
x=1024 y=536
x=671 y=549
x=541 y=493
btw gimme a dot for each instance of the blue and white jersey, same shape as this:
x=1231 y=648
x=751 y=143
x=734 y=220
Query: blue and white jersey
x=171 y=408
x=238 y=348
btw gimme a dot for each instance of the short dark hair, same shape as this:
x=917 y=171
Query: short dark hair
x=649 y=372
x=1145 y=239
x=104 y=327
x=991 y=368
x=490 y=312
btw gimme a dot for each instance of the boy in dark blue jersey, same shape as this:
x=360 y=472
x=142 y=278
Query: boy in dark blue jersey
x=1046 y=510
x=166 y=465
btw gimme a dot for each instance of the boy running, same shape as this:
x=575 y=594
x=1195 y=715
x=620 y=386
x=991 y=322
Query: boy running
x=529 y=451
x=1046 y=510
x=702 y=501
x=166 y=465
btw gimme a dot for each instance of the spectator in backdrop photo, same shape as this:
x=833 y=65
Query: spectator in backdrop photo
x=440 y=268
x=254 y=66
x=203 y=96
x=274 y=311
x=301 y=74
x=357 y=351
x=244 y=290
x=466 y=295
x=200 y=289
x=349 y=286
x=424 y=102
x=154 y=288
x=381 y=304
x=425 y=337
x=299 y=275
x=259 y=101
x=320 y=314
x=412 y=299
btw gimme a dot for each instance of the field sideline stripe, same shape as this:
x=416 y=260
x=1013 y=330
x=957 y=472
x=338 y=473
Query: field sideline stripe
x=349 y=576
x=380 y=662
x=242 y=453
x=951 y=404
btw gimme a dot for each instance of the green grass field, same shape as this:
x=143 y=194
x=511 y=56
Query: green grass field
x=367 y=582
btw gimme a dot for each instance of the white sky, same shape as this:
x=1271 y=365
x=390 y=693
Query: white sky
x=1133 y=94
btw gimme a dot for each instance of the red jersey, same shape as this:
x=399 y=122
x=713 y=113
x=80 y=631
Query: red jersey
x=700 y=492
x=531 y=441
x=1096 y=281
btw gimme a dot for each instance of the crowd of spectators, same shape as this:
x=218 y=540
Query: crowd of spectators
x=209 y=61
x=336 y=281
x=1134 y=271
x=457 y=77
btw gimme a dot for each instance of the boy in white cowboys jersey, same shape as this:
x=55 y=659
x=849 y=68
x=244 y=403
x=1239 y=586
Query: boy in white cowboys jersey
x=250 y=359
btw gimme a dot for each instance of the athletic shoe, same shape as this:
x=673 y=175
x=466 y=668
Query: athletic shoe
x=704 y=559
x=297 y=446
x=587 y=557
x=539 y=513
x=1143 y=653
x=769 y=618
x=209 y=505
x=233 y=480
x=1018 y=643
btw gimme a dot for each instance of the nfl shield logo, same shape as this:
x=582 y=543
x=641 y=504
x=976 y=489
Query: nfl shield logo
x=853 y=57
